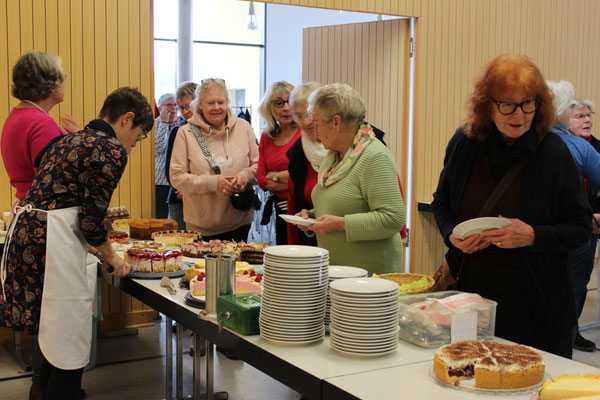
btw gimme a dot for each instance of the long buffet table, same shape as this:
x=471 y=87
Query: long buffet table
x=315 y=370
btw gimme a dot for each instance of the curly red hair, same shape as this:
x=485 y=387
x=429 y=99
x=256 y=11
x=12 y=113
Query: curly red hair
x=504 y=73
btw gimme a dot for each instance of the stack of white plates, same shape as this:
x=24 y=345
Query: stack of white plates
x=340 y=272
x=364 y=316
x=295 y=283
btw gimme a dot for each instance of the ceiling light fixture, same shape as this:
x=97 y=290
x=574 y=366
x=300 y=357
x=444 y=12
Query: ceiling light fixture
x=252 y=18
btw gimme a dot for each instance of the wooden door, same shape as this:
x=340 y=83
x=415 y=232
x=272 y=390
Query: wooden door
x=373 y=58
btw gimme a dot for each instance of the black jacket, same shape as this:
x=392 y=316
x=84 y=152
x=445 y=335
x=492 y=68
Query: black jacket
x=172 y=198
x=551 y=201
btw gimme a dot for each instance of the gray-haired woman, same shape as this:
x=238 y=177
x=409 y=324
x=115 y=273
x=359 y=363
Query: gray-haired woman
x=184 y=96
x=39 y=82
x=306 y=156
x=358 y=205
x=279 y=135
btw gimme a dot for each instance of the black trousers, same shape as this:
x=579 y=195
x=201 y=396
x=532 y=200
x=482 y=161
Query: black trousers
x=59 y=384
x=161 y=192
x=239 y=234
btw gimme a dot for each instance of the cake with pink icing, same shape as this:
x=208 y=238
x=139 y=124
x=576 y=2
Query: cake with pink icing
x=243 y=284
x=153 y=261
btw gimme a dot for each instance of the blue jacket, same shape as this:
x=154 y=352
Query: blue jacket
x=586 y=157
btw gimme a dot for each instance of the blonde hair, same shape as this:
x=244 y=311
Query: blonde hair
x=265 y=108
x=301 y=93
x=338 y=99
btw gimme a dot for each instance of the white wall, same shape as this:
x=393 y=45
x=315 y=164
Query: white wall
x=283 y=41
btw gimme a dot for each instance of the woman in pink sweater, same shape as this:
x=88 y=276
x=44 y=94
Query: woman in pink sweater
x=39 y=82
x=231 y=143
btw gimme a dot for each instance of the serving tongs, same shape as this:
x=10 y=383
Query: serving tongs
x=168 y=283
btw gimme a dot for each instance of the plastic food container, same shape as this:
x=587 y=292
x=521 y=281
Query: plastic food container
x=432 y=328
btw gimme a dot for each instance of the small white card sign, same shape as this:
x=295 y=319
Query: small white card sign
x=463 y=327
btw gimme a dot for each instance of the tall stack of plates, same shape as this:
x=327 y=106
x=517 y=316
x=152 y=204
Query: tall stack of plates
x=295 y=283
x=364 y=316
x=340 y=272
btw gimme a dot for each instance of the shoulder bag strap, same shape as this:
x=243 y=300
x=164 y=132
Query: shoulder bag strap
x=504 y=183
x=205 y=149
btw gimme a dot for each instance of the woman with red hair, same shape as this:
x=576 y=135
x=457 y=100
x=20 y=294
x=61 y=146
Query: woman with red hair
x=523 y=266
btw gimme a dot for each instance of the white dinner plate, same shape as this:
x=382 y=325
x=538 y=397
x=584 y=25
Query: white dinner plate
x=296 y=251
x=364 y=285
x=478 y=225
x=297 y=220
x=342 y=271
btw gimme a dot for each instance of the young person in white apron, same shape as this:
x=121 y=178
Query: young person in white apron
x=48 y=283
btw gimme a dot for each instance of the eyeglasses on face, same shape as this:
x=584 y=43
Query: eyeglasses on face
x=169 y=105
x=279 y=103
x=583 y=116
x=527 y=106
x=186 y=107
x=209 y=80
x=143 y=136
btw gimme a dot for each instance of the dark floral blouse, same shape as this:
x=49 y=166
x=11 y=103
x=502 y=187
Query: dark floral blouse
x=79 y=169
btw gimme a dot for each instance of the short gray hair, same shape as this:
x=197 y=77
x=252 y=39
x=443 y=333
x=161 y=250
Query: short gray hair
x=186 y=89
x=163 y=99
x=338 y=99
x=563 y=92
x=265 y=108
x=301 y=93
x=580 y=103
x=37 y=75
x=207 y=84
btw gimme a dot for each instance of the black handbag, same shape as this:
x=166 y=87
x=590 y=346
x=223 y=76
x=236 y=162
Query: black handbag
x=242 y=201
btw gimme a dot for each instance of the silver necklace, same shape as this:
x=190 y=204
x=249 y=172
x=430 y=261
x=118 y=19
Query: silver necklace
x=35 y=105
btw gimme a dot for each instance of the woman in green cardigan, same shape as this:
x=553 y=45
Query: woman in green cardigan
x=357 y=201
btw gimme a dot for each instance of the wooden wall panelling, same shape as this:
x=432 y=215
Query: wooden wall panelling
x=146 y=148
x=6 y=191
x=372 y=58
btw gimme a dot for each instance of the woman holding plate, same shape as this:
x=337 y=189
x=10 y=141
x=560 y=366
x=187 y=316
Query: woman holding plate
x=505 y=162
x=357 y=202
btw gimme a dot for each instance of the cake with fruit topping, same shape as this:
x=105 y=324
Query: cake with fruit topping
x=153 y=257
x=118 y=237
x=493 y=365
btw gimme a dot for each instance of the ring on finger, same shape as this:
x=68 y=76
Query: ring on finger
x=476 y=248
x=499 y=244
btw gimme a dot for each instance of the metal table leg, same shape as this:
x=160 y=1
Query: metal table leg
x=169 y=359
x=210 y=349
x=197 y=344
x=179 y=359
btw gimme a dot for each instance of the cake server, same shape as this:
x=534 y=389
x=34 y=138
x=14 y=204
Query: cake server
x=166 y=282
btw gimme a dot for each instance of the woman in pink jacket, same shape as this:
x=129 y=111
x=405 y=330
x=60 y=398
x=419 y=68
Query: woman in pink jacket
x=214 y=157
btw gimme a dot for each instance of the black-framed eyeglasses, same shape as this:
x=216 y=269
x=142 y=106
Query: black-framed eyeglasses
x=279 y=103
x=186 y=107
x=584 y=116
x=143 y=136
x=528 y=106
x=208 y=80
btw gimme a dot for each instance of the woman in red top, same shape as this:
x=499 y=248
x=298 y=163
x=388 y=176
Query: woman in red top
x=39 y=82
x=280 y=133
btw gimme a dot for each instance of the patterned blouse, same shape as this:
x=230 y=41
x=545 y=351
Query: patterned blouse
x=162 y=130
x=79 y=169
